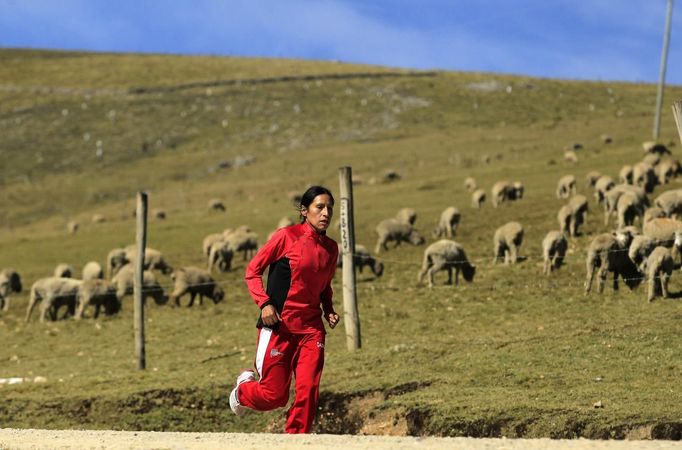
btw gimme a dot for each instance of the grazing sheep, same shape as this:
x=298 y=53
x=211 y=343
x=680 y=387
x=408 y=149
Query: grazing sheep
x=608 y=253
x=591 y=178
x=670 y=203
x=215 y=204
x=10 y=282
x=98 y=218
x=116 y=258
x=655 y=147
x=643 y=175
x=72 y=227
x=390 y=175
x=153 y=259
x=572 y=215
x=446 y=254
x=566 y=186
x=397 y=231
x=150 y=287
x=92 y=271
x=653 y=213
x=663 y=230
x=604 y=184
x=612 y=196
x=195 y=281
x=554 y=247
x=504 y=190
x=447 y=225
x=220 y=255
x=470 y=184
x=209 y=240
x=63 y=270
x=54 y=292
x=407 y=215
x=506 y=241
x=666 y=170
x=158 y=213
x=606 y=139
x=242 y=241
x=97 y=293
x=477 y=198
x=629 y=207
x=571 y=157
x=362 y=258
x=659 y=268
x=652 y=159
x=640 y=249
x=625 y=174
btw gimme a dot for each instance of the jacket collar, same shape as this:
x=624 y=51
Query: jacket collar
x=308 y=230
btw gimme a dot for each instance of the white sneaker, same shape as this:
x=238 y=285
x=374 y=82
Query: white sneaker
x=235 y=406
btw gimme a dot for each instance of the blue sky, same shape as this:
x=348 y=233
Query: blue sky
x=582 y=39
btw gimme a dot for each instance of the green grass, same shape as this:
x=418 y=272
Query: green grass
x=512 y=354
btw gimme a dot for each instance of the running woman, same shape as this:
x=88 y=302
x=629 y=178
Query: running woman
x=301 y=260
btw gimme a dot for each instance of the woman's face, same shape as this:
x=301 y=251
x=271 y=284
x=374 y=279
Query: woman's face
x=319 y=213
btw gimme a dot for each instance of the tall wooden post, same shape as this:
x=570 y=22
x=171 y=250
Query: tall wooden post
x=677 y=113
x=350 y=301
x=141 y=243
x=661 y=75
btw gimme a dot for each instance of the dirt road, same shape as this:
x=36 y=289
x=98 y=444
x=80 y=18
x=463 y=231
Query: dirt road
x=73 y=439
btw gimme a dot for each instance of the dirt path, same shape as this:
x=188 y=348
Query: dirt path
x=72 y=439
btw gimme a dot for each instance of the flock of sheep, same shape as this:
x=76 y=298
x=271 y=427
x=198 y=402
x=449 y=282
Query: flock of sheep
x=627 y=252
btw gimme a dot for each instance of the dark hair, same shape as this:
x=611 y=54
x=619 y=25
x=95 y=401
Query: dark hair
x=310 y=194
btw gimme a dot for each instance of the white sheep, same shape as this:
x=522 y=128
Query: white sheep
x=242 y=240
x=209 y=240
x=663 y=230
x=470 y=184
x=396 y=231
x=629 y=207
x=591 y=178
x=97 y=293
x=124 y=282
x=448 y=255
x=506 y=242
x=670 y=202
x=608 y=253
x=554 y=247
x=448 y=222
x=195 y=281
x=116 y=258
x=10 y=282
x=220 y=255
x=612 y=196
x=477 y=198
x=72 y=227
x=659 y=269
x=53 y=292
x=362 y=258
x=644 y=176
x=407 y=215
x=215 y=204
x=653 y=213
x=566 y=186
x=92 y=271
x=63 y=270
x=625 y=174
x=640 y=249
x=603 y=184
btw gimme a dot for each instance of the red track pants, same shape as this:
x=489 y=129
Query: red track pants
x=281 y=354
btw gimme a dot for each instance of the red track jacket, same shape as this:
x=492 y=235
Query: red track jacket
x=302 y=264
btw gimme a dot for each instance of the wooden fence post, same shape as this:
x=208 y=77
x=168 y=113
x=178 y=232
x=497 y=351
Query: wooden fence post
x=141 y=243
x=350 y=301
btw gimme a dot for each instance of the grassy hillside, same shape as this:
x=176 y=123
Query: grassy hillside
x=512 y=354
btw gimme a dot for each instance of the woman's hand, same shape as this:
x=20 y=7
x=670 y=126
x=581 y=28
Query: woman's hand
x=269 y=316
x=333 y=319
